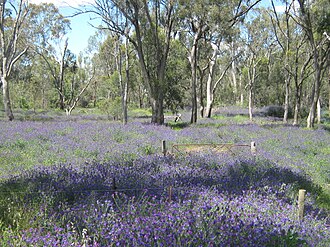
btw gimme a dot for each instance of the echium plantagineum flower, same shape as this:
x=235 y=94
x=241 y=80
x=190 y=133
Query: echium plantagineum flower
x=113 y=181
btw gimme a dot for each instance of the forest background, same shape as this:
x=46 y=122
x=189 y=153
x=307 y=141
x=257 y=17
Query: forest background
x=169 y=55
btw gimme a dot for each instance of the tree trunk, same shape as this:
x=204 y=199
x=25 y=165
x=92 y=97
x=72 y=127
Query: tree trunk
x=297 y=105
x=315 y=95
x=251 y=77
x=155 y=83
x=157 y=109
x=201 y=91
x=209 y=88
x=94 y=94
x=74 y=101
x=329 y=90
x=318 y=61
x=122 y=83
x=193 y=64
x=209 y=91
x=6 y=98
x=141 y=97
x=329 y=98
x=60 y=86
x=251 y=102
x=10 y=29
x=233 y=72
x=125 y=86
x=287 y=79
x=199 y=28
x=286 y=103
x=60 y=80
x=234 y=82
x=241 y=90
x=201 y=101
x=319 y=111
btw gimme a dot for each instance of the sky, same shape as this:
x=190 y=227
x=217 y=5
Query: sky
x=81 y=30
x=61 y=3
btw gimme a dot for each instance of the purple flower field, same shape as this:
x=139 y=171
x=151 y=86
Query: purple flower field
x=99 y=183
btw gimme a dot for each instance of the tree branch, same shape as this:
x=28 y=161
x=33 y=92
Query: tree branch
x=238 y=14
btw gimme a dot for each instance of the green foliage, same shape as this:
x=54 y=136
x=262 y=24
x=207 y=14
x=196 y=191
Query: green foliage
x=321 y=15
x=32 y=82
x=177 y=77
x=291 y=239
x=111 y=107
x=149 y=149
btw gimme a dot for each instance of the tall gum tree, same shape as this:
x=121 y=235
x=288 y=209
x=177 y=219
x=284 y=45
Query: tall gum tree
x=148 y=25
x=24 y=28
x=258 y=50
x=284 y=30
x=210 y=21
x=113 y=58
x=49 y=28
x=314 y=18
x=13 y=15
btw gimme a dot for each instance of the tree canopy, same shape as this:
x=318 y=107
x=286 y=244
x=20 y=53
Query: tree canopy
x=169 y=55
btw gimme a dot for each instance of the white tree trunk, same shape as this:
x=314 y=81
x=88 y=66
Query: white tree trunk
x=9 y=51
x=193 y=64
x=233 y=72
x=319 y=111
x=286 y=103
x=6 y=98
x=251 y=102
x=329 y=89
x=315 y=96
x=209 y=87
x=252 y=77
x=241 y=91
x=125 y=86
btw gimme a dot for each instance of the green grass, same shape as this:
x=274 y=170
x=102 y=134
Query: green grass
x=138 y=112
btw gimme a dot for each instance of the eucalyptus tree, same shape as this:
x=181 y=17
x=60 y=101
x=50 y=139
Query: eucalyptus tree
x=69 y=77
x=112 y=59
x=148 y=25
x=198 y=16
x=283 y=29
x=24 y=29
x=314 y=18
x=92 y=58
x=79 y=78
x=30 y=87
x=13 y=15
x=121 y=54
x=211 y=21
x=259 y=48
x=49 y=42
x=178 y=77
x=297 y=59
x=235 y=70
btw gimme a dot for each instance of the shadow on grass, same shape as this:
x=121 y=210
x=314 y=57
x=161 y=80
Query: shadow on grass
x=65 y=183
x=46 y=189
x=177 y=125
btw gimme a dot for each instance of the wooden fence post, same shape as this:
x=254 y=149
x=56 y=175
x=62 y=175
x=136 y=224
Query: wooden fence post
x=170 y=194
x=164 y=150
x=253 y=149
x=301 y=204
x=114 y=186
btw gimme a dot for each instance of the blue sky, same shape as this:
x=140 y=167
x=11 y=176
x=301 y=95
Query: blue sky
x=81 y=30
